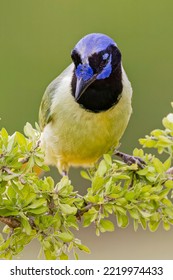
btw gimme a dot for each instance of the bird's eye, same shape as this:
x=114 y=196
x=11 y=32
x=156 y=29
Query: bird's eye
x=105 y=56
x=76 y=58
x=98 y=61
x=103 y=63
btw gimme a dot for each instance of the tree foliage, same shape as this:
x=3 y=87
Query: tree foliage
x=38 y=208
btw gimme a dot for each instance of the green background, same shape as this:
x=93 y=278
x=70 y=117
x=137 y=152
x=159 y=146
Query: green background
x=36 y=38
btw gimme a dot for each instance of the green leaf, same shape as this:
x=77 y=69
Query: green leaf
x=153 y=225
x=30 y=132
x=122 y=220
x=119 y=209
x=49 y=255
x=168 y=121
x=106 y=225
x=97 y=184
x=121 y=176
x=38 y=161
x=11 y=193
x=6 y=229
x=37 y=203
x=11 y=143
x=135 y=224
x=169 y=184
x=167 y=163
x=121 y=202
x=156 y=132
x=155 y=217
x=4 y=134
x=138 y=152
x=85 y=175
x=25 y=223
x=6 y=212
x=143 y=171
x=146 y=188
x=158 y=165
x=108 y=208
x=1 y=238
x=145 y=214
x=28 y=199
x=49 y=183
x=167 y=202
x=75 y=255
x=66 y=236
x=164 y=141
x=83 y=248
x=134 y=213
x=125 y=221
x=166 y=226
x=164 y=193
x=130 y=195
x=143 y=223
x=102 y=168
x=67 y=209
x=63 y=256
x=5 y=245
x=149 y=143
x=107 y=159
x=20 y=138
x=64 y=187
x=169 y=211
x=72 y=222
x=38 y=211
x=89 y=217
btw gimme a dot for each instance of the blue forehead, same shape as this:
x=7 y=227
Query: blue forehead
x=93 y=43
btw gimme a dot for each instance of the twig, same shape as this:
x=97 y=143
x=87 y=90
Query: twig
x=6 y=169
x=170 y=172
x=10 y=221
x=80 y=213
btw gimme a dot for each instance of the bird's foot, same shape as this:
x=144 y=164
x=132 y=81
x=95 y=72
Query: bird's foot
x=129 y=159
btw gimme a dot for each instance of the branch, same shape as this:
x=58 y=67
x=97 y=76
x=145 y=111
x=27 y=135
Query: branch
x=10 y=221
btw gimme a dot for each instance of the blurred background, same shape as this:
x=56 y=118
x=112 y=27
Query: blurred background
x=36 y=38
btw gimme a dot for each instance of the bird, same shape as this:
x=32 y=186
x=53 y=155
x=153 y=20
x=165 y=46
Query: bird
x=85 y=110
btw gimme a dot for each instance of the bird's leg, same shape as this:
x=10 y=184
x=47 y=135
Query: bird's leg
x=129 y=159
x=64 y=173
x=63 y=167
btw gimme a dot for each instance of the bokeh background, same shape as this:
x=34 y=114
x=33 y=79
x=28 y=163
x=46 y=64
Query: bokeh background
x=36 y=38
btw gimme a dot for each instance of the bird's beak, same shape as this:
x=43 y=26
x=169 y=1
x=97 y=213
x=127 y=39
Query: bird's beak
x=82 y=85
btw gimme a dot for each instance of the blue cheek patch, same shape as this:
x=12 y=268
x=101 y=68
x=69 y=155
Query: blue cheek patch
x=84 y=71
x=106 y=70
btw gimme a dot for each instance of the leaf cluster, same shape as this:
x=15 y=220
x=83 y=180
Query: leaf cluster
x=119 y=192
x=33 y=207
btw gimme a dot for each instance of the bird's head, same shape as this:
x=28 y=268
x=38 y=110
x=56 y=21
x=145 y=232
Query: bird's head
x=96 y=58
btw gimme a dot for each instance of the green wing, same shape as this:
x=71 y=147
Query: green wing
x=45 y=115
